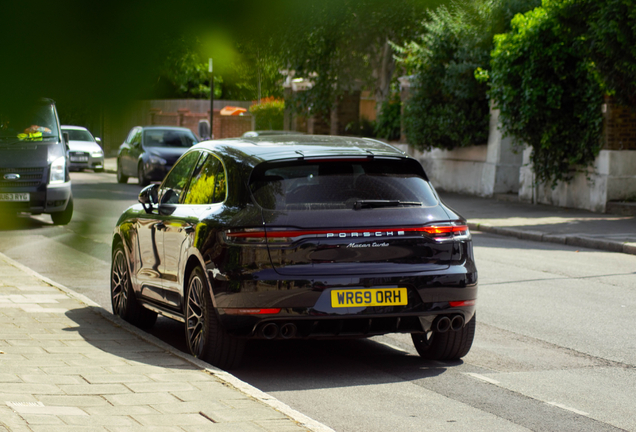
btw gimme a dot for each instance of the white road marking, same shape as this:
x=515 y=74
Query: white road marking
x=574 y=410
x=482 y=378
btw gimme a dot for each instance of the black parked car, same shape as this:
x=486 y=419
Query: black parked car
x=296 y=237
x=149 y=152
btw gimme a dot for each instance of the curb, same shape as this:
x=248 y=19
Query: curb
x=222 y=375
x=570 y=240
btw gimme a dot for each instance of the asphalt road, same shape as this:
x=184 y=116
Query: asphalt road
x=555 y=347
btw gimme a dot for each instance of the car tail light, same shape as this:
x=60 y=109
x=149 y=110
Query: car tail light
x=245 y=236
x=462 y=303
x=259 y=236
x=251 y=311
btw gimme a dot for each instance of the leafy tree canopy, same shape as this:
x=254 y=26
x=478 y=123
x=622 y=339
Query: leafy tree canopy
x=448 y=107
x=548 y=90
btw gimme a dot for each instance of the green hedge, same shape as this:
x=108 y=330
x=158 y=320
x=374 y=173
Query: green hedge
x=269 y=114
x=548 y=91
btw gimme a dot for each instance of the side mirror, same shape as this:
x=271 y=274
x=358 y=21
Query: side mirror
x=169 y=202
x=66 y=139
x=98 y=140
x=148 y=197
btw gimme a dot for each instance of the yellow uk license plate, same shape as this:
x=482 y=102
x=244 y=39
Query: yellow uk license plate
x=369 y=297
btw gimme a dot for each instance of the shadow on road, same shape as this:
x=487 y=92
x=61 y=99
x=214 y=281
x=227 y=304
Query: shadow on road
x=10 y=221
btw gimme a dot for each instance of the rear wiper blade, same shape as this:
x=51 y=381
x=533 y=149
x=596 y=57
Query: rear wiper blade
x=384 y=203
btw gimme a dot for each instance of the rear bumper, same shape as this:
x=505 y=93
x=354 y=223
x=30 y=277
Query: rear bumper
x=307 y=305
x=92 y=163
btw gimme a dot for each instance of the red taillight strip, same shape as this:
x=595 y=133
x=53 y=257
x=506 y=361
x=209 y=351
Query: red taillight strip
x=251 y=311
x=431 y=229
x=462 y=303
x=244 y=234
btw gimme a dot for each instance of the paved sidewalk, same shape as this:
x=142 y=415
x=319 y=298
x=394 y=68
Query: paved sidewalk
x=505 y=215
x=67 y=364
x=537 y=222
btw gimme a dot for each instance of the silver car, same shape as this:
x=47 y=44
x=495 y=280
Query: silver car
x=84 y=149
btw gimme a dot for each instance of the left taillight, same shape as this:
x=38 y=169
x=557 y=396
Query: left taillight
x=245 y=236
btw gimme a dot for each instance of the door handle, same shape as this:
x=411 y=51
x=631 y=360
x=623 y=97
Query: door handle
x=160 y=226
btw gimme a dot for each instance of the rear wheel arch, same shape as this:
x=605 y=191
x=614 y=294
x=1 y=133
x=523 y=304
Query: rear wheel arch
x=192 y=263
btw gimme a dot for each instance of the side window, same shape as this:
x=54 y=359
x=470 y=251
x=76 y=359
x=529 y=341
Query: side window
x=208 y=184
x=131 y=135
x=136 y=139
x=173 y=185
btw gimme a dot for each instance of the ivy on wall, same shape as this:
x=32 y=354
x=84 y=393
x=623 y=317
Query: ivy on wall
x=548 y=91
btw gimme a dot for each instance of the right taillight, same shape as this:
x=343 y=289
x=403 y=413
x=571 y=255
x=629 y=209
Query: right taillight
x=448 y=232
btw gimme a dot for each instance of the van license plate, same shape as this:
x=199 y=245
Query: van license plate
x=15 y=197
x=369 y=297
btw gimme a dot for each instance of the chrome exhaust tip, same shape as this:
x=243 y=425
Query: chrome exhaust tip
x=269 y=331
x=288 y=331
x=457 y=323
x=443 y=324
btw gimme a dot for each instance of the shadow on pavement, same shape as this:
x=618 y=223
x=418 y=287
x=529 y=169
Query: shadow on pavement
x=267 y=365
x=125 y=348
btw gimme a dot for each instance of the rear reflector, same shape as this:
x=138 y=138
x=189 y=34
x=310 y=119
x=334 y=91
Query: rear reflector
x=251 y=311
x=462 y=303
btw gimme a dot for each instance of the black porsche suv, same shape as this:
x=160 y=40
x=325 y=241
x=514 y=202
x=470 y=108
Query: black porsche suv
x=296 y=237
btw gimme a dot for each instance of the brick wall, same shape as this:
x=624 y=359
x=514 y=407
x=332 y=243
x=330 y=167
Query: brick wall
x=224 y=126
x=231 y=126
x=619 y=126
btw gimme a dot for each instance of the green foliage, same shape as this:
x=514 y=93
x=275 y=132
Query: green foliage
x=449 y=107
x=269 y=114
x=388 y=124
x=337 y=45
x=611 y=26
x=184 y=73
x=362 y=128
x=548 y=91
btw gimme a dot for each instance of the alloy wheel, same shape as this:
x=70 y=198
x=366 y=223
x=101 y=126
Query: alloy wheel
x=119 y=284
x=195 y=318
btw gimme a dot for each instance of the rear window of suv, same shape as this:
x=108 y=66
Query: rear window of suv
x=341 y=184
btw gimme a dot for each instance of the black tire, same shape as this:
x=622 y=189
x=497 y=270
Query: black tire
x=121 y=178
x=450 y=345
x=63 y=217
x=205 y=336
x=122 y=297
x=141 y=174
x=98 y=170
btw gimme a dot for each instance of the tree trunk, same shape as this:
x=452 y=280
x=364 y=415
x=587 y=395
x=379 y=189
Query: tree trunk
x=383 y=73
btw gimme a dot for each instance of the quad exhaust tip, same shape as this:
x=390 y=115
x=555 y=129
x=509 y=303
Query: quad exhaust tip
x=272 y=331
x=269 y=331
x=444 y=323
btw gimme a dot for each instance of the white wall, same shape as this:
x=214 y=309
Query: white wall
x=611 y=178
x=482 y=170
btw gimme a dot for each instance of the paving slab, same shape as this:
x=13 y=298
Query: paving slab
x=503 y=215
x=66 y=364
